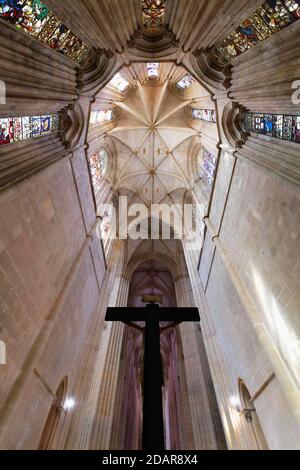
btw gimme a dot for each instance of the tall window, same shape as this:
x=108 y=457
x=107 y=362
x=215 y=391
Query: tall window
x=207 y=166
x=119 y=83
x=208 y=115
x=185 y=82
x=280 y=126
x=106 y=223
x=33 y=17
x=102 y=116
x=15 y=129
x=206 y=171
x=153 y=70
x=153 y=14
x=98 y=167
x=271 y=17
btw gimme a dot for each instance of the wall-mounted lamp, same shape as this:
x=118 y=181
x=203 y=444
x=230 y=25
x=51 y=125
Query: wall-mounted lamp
x=247 y=412
x=69 y=403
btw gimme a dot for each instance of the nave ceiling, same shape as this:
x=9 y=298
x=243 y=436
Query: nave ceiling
x=154 y=145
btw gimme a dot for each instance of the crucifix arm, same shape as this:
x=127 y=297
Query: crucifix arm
x=133 y=314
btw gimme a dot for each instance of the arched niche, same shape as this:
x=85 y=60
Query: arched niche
x=54 y=416
x=250 y=415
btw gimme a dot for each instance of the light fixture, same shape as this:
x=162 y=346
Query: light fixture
x=247 y=412
x=69 y=403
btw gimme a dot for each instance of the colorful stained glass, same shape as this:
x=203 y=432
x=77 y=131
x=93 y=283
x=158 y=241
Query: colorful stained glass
x=98 y=167
x=119 y=83
x=270 y=18
x=280 y=126
x=34 y=18
x=294 y=7
x=208 y=115
x=185 y=82
x=207 y=167
x=153 y=70
x=296 y=129
x=153 y=14
x=102 y=116
x=22 y=128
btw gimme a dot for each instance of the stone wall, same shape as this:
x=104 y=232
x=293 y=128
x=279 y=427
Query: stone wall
x=252 y=247
x=52 y=270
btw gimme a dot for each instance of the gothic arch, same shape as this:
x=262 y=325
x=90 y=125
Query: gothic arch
x=249 y=413
x=134 y=262
x=54 y=416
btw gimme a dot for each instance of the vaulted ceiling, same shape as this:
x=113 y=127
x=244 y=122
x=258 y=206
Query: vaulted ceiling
x=153 y=139
x=194 y=23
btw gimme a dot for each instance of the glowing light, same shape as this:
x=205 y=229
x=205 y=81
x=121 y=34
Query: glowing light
x=280 y=327
x=69 y=403
x=235 y=402
x=119 y=83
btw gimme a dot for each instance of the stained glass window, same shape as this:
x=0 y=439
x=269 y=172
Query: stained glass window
x=207 y=167
x=153 y=70
x=15 y=129
x=208 y=115
x=185 y=82
x=153 y=14
x=34 y=18
x=271 y=17
x=281 y=126
x=98 y=167
x=102 y=116
x=119 y=83
x=105 y=223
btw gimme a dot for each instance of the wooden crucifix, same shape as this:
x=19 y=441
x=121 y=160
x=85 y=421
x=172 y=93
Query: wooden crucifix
x=152 y=315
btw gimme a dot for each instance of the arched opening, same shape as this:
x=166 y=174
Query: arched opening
x=249 y=413
x=54 y=416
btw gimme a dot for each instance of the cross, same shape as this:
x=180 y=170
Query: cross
x=152 y=315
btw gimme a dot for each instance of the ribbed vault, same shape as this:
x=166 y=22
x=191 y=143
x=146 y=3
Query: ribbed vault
x=152 y=139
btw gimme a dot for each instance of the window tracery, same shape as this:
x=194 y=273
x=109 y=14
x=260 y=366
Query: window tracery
x=119 y=83
x=185 y=82
x=280 y=126
x=207 y=167
x=153 y=70
x=270 y=18
x=98 y=164
x=208 y=115
x=15 y=129
x=102 y=116
x=153 y=12
x=34 y=18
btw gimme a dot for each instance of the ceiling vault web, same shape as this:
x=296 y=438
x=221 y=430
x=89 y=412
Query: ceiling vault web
x=152 y=137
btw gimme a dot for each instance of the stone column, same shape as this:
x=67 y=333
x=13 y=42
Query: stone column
x=206 y=425
x=108 y=371
x=237 y=437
